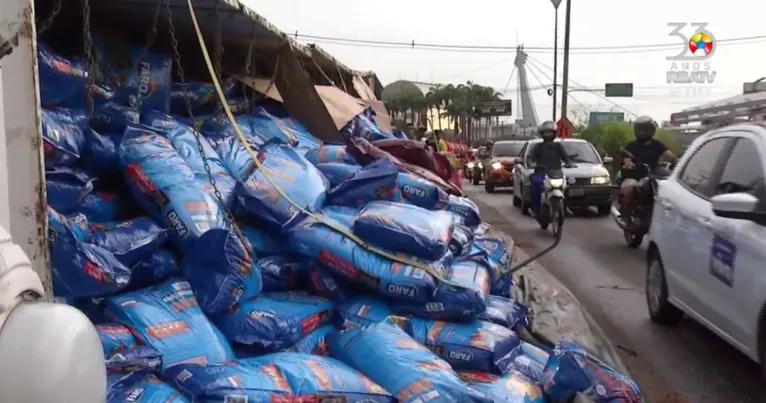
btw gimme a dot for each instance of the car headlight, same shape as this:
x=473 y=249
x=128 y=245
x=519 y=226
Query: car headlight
x=470 y=165
x=481 y=165
x=556 y=183
x=599 y=180
x=496 y=165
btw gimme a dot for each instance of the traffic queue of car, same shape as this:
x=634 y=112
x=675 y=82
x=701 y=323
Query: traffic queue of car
x=507 y=164
x=707 y=225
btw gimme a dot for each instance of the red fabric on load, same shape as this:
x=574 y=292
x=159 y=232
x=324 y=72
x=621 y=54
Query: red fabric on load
x=365 y=153
x=410 y=151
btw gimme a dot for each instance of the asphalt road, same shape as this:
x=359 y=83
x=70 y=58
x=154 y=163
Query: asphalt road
x=687 y=361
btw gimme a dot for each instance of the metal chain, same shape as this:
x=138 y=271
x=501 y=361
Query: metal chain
x=88 y=45
x=150 y=38
x=48 y=23
x=211 y=177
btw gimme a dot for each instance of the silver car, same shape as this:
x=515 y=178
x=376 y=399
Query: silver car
x=589 y=183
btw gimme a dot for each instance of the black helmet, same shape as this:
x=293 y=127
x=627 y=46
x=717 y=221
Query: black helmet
x=547 y=130
x=644 y=128
x=489 y=143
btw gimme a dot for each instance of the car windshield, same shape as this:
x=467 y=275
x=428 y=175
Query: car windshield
x=507 y=149
x=581 y=152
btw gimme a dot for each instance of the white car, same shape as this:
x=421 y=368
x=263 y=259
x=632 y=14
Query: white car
x=707 y=255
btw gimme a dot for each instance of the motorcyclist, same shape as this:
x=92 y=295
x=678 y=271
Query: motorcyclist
x=546 y=156
x=645 y=149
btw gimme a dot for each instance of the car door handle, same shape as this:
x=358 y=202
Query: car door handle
x=666 y=204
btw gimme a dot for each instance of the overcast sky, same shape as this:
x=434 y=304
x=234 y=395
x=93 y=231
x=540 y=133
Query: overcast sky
x=595 y=23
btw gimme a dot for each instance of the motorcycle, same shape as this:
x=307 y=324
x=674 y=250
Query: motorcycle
x=641 y=216
x=552 y=208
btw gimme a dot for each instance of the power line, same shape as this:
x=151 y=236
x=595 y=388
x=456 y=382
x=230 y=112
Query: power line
x=502 y=49
x=532 y=70
x=510 y=76
x=538 y=63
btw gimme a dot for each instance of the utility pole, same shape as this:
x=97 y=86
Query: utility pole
x=556 y=4
x=565 y=84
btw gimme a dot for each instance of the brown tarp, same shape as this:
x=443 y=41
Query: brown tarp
x=361 y=88
x=339 y=106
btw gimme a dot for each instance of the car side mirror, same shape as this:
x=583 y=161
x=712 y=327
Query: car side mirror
x=608 y=160
x=739 y=206
x=518 y=161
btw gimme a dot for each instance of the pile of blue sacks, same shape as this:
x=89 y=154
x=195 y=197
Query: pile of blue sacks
x=215 y=276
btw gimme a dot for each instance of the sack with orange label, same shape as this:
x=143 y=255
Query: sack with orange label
x=166 y=317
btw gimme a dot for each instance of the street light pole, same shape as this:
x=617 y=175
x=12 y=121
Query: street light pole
x=565 y=84
x=555 y=57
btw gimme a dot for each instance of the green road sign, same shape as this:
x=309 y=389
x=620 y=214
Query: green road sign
x=619 y=90
x=603 y=117
x=499 y=107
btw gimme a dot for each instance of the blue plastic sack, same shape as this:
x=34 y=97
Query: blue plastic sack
x=321 y=282
x=376 y=181
x=263 y=242
x=331 y=153
x=453 y=303
x=404 y=228
x=63 y=137
x=139 y=387
x=337 y=172
x=420 y=192
x=221 y=270
x=62 y=80
x=101 y=153
x=114 y=118
x=341 y=214
x=472 y=346
x=364 y=127
x=399 y=364
x=102 y=207
x=166 y=317
x=511 y=388
x=289 y=171
x=201 y=96
x=235 y=157
x=275 y=321
x=461 y=240
x=280 y=377
x=571 y=369
x=184 y=141
x=362 y=311
x=154 y=268
x=165 y=186
x=346 y=259
x=466 y=209
x=129 y=240
x=505 y=312
x=314 y=343
x=527 y=359
x=115 y=338
x=494 y=255
x=137 y=359
x=141 y=77
x=279 y=273
x=76 y=224
x=288 y=129
x=81 y=269
x=66 y=188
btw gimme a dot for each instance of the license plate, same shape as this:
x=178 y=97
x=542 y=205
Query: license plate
x=576 y=192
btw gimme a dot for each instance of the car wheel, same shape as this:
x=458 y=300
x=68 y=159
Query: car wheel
x=604 y=210
x=489 y=187
x=660 y=309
